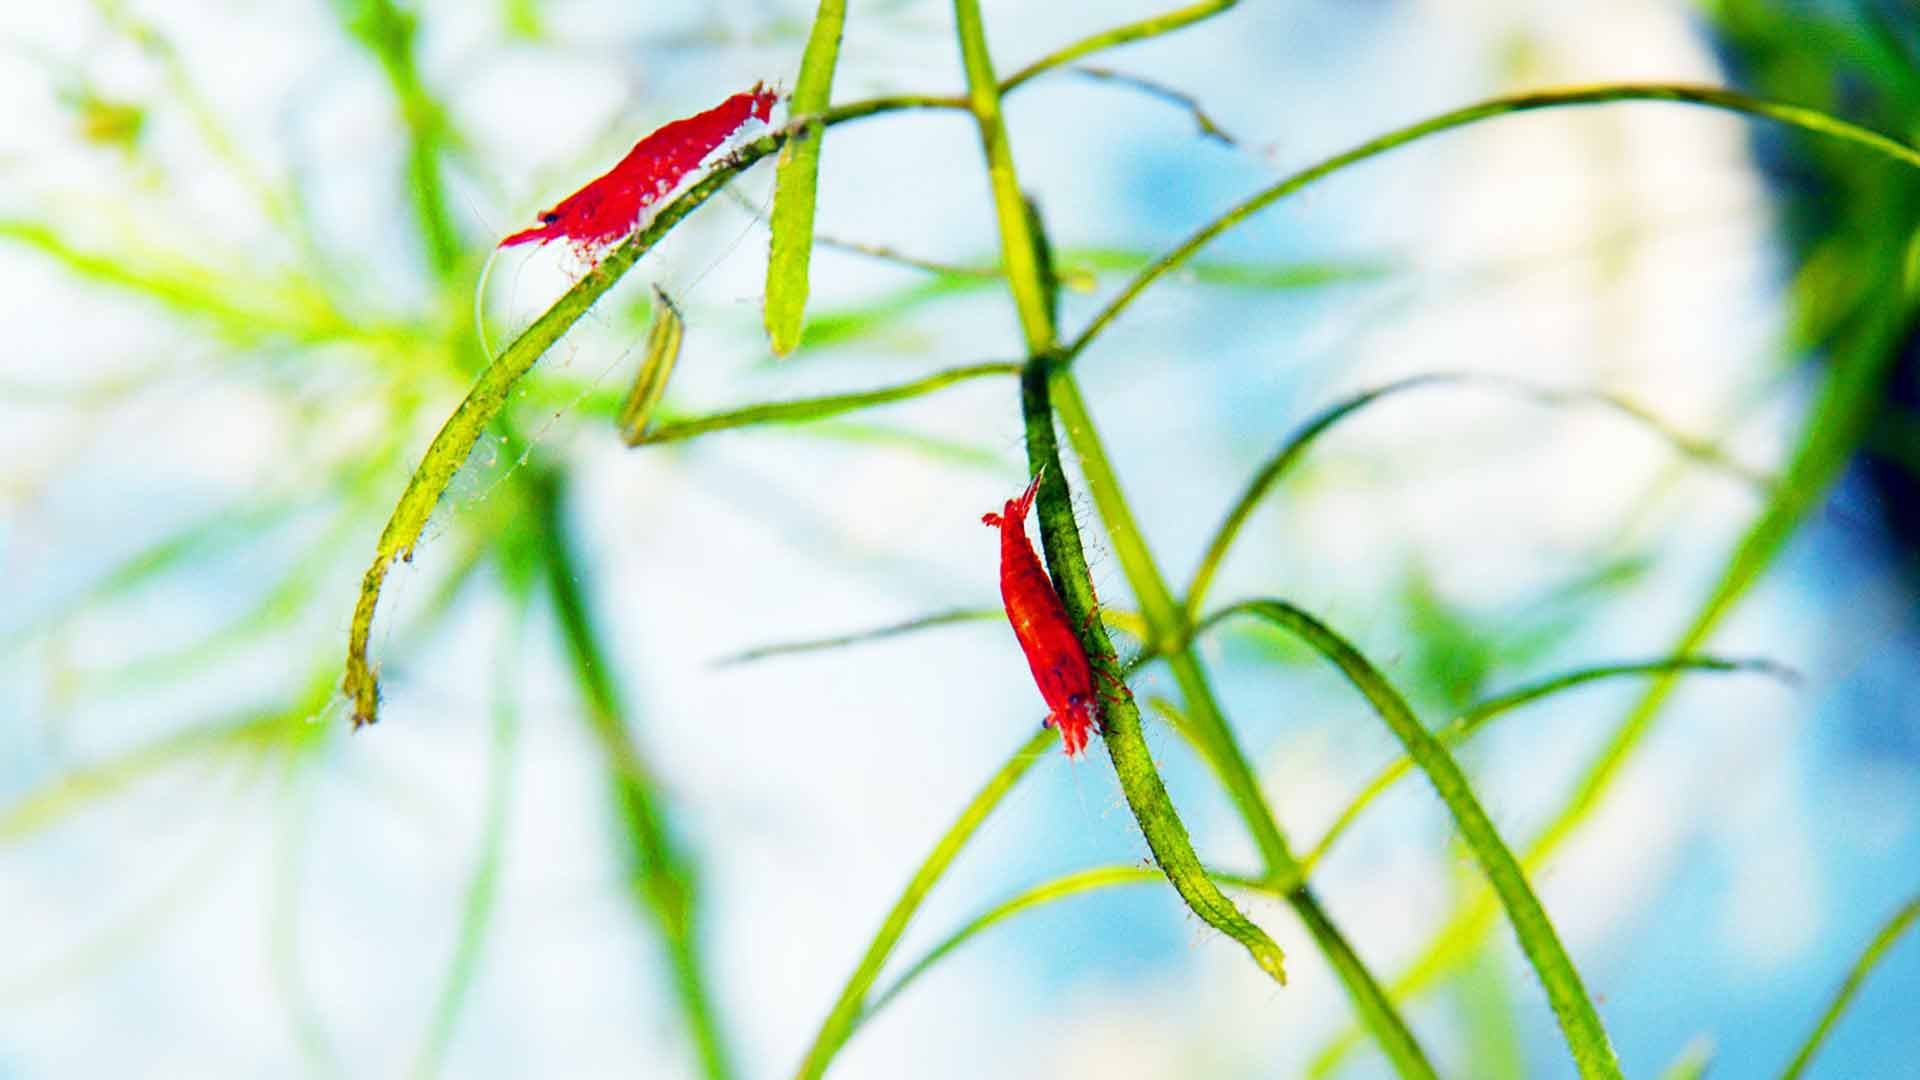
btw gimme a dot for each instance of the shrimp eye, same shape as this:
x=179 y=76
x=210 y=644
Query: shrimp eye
x=549 y=218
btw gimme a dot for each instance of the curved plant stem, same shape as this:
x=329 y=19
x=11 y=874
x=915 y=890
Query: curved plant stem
x=1882 y=942
x=1202 y=122
x=1851 y=394
x=483 y=886
x=1019 y=250
x=1119 y=35
x=1586 y=1038
x=488 y=395
x=1463 y=728
x=1126 y=743
x=664 y=340
x=1290 y=452
x=662 y=876
x=388 y=33
x=1035 y=286
x=1060 y=888
x=1030 y=278
x=286 y=966
x=1117 y=619
x=861 y=637
x=846 y=1009
x=1477 y=717
x=1208 y=726
x=1694 y=1061
x=1708 y=96
x=820 y=408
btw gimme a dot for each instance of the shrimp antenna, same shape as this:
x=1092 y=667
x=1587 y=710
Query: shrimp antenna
x=480 y=305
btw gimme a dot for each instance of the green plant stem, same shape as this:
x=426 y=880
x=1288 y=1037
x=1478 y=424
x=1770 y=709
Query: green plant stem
x=1469 y=724
x=1477 y=717
x=483 y=886
x=1708 y=96
x=488 y=395
x=1301 y=440
x=1146 y=793
x=1882 y=942
x=1586 y=1038
x=275 y=201
x=1060 y=888
x=846 y=1009
x=925 y=622
x=1851 y=393
x=389 y=33
x=1166 y=627
x=285 y=965
x=1119 y=35
x=1203 y=122
x=1033 y=290
x=796 y=182
x=244 y=310
x=663 y=876
x=1167 y=631
x=808 y=409
x=1018 y=247
x=1115 y=618
x=1695 y=1059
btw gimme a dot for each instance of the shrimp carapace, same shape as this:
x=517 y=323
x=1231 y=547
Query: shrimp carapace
x=609 y=207
x=1054 y=652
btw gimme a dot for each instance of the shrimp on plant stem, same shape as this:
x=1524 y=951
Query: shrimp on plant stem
x=1054 y=652
x=610 y=207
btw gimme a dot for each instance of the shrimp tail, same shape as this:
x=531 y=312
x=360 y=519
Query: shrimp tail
x=1073 y=735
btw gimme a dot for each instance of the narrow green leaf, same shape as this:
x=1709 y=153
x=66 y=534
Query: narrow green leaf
x=483 y=884
x=1146 y=793
x=1694 y=1060
x=488 y=396
x=1204 y=123
x=1297 y=444
x=1580 y=1023
x=656 y=367
x=286 y=968
x=1463 y=728
x=90 y=784
x=489 y=393
x=1708 y=96
x=662 y=875
x=1047 y=892
x=200 y=539
x=243 y=308
x=1876 y=950
x=103 y=950
x=805 y=409
x=1276 y=276
x=1020 y=247
x=796 y=181
x=861 y=637
x=847 y=1007
x=1488 y=1013
x=1851 y=393
x=1116 y=618
x=1464 y=725
x=1127 y=34
x=1164 y=625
